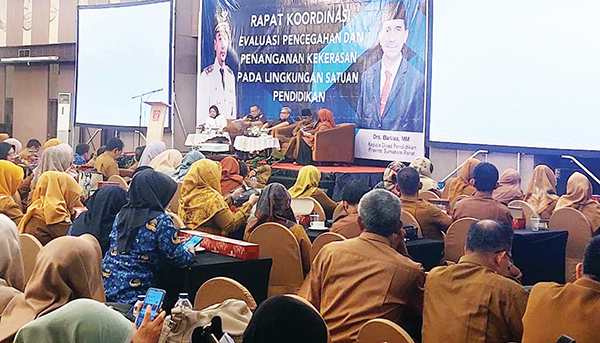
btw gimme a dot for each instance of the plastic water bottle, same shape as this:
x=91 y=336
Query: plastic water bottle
x=183 y=301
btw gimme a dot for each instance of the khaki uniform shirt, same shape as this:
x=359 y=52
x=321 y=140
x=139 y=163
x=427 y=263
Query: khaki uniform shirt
x=106 y=165
x=363 y=278
x=470 y=303
x=431 y=219
x=481 y=206
x=347 y=226
x=570 y=309
x=11 y=209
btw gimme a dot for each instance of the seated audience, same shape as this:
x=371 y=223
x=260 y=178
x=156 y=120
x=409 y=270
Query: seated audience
x=481 y=205
x=143 y=236
x=579 y=197
x=7 y=152
x=18 y=147
x=347 y=225
x=283 y=318
x=432 y=220
x=167 y=161
x=12 y=279
x=390 y=180
x=571 y=309
x=285 y=119
x=102 y=208
x=307 y=185
x=29 y=155
x=509 y=187
x=425 y=168
x=274 y=206
x=11 y=177
x=150 y=152
x=107 y=162
x=230 y=175
x=215 y=120
x=202 y=207
x=363 y=278
x=52 y=142
x=305 y=140
x=55 y=158
x=53 y=204
x=475 y=300
x=541 y=191
x=82 y=152
x=186 y=164
x=66 y=269
x=461 y=185
x=255 y=117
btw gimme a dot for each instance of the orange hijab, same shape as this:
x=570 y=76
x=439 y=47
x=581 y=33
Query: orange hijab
x=541 y=190
x=579 y=197
x=66 y=269
x=461 y=185
x=509 y=188
x=230 y=175
x=326 y=121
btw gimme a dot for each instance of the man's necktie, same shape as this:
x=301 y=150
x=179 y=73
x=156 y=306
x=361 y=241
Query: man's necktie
x=222 y=77
x=385 y=93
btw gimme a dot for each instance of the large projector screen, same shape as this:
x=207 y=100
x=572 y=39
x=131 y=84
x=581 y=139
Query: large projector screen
x=122 y=51
x=518 y=73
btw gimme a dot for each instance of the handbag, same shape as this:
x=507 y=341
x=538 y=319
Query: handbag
x=180 y=325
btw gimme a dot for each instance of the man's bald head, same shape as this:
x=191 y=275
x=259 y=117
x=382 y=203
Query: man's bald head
x=488 y=236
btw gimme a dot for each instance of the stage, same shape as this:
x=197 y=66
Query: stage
x=333 y=178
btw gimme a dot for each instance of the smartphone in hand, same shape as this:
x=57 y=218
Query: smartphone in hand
x=154 y=298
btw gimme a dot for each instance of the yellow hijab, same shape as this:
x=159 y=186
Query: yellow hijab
x=53 y=199
x=201 y=195
x=11 y=177
x=461 y=184
x=541 y=190
x=307 y=182
x=52 y=142
x=579 y=197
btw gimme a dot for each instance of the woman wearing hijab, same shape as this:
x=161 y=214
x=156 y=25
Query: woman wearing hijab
x=305 y=140
x=56 y=158
x=66 y=269
x=11 y=177
x=151 y=151
x=166 y=161
x=52 y=142
x=230 y=175
x=307 y=185
x=390 y=174
x=7 y=152
x=274 y=206
x=284 y=318
x=425 y=168
x=579 y=197
x=12 y=280
x=461 y=185
x=215 y=120
x=53 y=204
x=541 y=191
x=186 y=164
x=509 y=187
x=102 y=208
x=16 y=143
x=143 y=236
x=202 y=206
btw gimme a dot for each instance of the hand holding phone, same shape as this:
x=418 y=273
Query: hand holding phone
x=153 y=302
x=193 y=243
x=148 y=331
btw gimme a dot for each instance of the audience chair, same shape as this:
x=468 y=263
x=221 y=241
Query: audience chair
x=277 y=242
x=426 y=195
x=318 y=209
x=302 y=206
x=219 y=289
x=383 y=330
x=30 y=247
x=528 y=211
x=323 y=239
x=338 y=212
x=174 y=203
x=457 y=199
x=409 y=220
x=307 y=303
x=176 y=220
x=120 y=180
x=335 y=145
x=456 y=238
x=580 y=234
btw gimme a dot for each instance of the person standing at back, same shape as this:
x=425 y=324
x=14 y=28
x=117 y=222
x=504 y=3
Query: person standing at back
x=106 y=163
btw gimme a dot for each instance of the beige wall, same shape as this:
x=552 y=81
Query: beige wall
x=30 y=94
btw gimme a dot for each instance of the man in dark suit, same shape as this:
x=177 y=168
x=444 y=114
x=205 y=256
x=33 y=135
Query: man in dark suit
x=392 y=91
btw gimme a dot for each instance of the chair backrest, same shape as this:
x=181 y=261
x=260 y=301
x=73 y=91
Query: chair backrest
x=457 y=199
x=580 y=234
x=338 y=212
x=456 y=237
x=277 y=242
x=307 y=303
x=323 y=239
x=383 y=330
x=426 y=195
x=176 y=220
x=302 y=206
x=30 y=247
x=528 y=211
x=409 y=220
x=121 y=181
x=219 y=289
x=318 y=209
x=174 y=203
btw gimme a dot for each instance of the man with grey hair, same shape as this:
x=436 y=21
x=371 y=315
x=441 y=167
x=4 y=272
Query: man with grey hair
x=475 y=300
x=363 y=278
x=285 y=119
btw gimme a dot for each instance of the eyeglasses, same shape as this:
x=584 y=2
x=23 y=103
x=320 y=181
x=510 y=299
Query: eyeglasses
x=510 y=259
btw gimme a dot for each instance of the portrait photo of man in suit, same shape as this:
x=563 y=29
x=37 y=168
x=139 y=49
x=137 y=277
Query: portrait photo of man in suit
x=392 y=91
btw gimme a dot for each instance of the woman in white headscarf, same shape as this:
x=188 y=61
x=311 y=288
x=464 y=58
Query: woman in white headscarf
x=425 y=168
x=151 y=151
x=56 y=158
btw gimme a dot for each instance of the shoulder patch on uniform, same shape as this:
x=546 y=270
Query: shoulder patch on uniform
x=208 y=69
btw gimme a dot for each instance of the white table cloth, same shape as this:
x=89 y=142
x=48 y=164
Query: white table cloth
x=250 y=144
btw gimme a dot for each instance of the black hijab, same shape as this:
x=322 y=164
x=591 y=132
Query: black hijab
x=103 y=207
x=282 y=318
x=4 y=149
x=149 y=193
